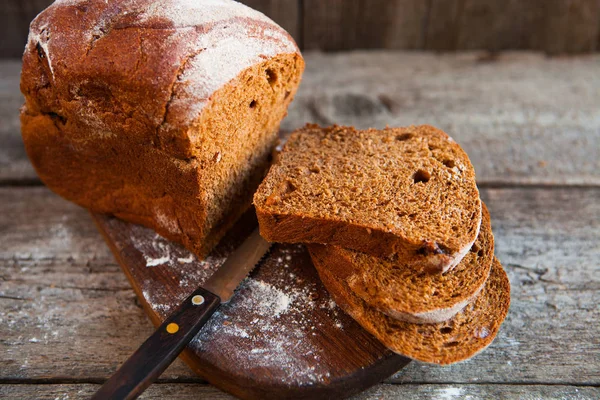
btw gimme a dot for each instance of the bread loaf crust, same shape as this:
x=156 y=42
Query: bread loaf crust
x=123 y=101
x=142 y=64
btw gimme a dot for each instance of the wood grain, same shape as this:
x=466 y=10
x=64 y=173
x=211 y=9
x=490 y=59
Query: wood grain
x=551 y=26
x=67 y=310
x=188 y=391
x=482 y=24
x=62 y=296
x=363 y=24
x=568 y=27
x=554 y=26
x=522 y=118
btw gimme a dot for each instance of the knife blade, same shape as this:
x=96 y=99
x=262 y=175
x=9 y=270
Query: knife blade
x=237 y=266
x=164 y=345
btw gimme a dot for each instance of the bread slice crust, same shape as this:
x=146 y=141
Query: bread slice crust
x=405 y=193
x=460 y=338
x=410 y=296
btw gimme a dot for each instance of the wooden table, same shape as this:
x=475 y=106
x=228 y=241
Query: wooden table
x=531 y=125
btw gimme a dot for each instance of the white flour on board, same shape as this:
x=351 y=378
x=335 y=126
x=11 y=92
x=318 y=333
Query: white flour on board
x=283 y=334
x=271 y=322
x=159 y=251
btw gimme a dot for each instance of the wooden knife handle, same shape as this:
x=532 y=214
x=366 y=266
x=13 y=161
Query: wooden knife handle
x=160 y=349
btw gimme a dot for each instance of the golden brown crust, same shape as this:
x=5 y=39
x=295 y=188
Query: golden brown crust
x=411 y=296
x=86 y=59
x=457 y=339
x=123 y=112
x=406 y=193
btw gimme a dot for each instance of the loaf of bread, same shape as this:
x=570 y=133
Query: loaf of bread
x=162 y=113
x=404 y=294
x=463 y=336
x=406 y=193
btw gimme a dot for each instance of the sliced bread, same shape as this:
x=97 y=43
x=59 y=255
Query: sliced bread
x=408 y=193
x=457 y=339
x=407 y=295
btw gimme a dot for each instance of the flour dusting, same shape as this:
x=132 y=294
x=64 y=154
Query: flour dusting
x=153 y=262
x=275 y=321
x=186 y=260
x=450 y=393
x=159 y=251
x=166 y=222
x=273 y=300
x=213 y=42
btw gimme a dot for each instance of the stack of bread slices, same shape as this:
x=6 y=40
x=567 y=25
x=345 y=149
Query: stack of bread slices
x=397 y=232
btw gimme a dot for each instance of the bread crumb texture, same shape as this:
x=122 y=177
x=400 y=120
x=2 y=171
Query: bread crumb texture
x=463 y=336
x=411 y=296
x=408 y=193
x=161 y=113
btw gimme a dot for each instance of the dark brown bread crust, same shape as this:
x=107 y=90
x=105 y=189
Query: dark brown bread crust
x=119 y=116
x=410 y=296
x=406 y=193
x=460 y=338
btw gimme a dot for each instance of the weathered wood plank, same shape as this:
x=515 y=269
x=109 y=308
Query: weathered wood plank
x=285 y=12
x=363 y=24
x=482 y=24
x=522 y=118
x=67 y=312
x=568 y=27
x=553 y=26
x=85 y=391
x=185 y=391
x=66 y=309
x=483 y=391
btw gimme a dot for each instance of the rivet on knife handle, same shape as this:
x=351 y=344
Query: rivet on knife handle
x=160 y=349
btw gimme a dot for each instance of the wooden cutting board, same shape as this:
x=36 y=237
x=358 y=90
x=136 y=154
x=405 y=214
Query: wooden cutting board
x=281 y=336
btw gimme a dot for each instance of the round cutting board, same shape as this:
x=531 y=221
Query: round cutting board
x=281 y=336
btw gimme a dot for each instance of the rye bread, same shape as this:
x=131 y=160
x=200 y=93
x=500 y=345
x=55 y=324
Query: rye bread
x=163 y=113
x=404 y=294
x=463 y=336
x=408 y=193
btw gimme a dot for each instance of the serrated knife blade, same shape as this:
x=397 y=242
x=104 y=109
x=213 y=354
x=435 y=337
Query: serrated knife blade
x=165 y=344
x=237 y=266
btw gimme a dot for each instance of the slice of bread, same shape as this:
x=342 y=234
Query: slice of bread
x=457 y=339
x=407 y=295
x=408 y=193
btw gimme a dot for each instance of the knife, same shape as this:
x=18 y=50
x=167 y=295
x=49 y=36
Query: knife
x=165 y=344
